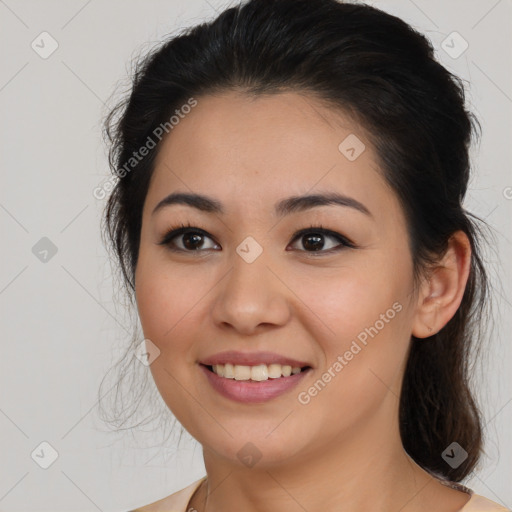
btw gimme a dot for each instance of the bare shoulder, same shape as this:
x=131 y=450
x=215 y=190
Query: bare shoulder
x=166 y=504
x=152 y=507
x=176 y=502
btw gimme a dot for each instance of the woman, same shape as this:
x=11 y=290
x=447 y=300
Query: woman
x=289 y=219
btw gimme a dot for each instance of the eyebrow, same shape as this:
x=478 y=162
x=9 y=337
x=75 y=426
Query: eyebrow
x=284 y=207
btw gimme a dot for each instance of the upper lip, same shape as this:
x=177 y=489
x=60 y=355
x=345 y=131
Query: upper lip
x=252 y=359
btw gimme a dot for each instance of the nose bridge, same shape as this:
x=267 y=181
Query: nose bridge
x=251 y=294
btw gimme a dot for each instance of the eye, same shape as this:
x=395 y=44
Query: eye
x=313 y=239
x=192 y=238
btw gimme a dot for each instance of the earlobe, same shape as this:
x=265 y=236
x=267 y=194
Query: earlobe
x=442 y=291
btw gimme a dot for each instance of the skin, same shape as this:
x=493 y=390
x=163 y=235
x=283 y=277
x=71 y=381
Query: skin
x=342 y=451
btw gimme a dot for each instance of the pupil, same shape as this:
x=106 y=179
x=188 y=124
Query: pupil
x=195 y=239
x=317 y=242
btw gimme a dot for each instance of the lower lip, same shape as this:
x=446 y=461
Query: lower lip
x=248 y=391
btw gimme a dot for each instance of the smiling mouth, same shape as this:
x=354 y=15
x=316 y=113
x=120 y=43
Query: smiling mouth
x=255 y=373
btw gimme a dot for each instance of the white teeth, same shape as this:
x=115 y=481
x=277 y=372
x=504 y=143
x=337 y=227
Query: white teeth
x=274 y=371
x=257 y=373
x=228 y=370
x=242 y=372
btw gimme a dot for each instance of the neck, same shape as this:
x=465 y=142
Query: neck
x=347 y=474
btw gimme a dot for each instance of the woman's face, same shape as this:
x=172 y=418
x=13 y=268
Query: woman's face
x=251 y=286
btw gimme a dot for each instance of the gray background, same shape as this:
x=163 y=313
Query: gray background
x=62 y=322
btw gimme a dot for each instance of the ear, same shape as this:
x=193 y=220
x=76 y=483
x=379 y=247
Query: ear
x=442 y=291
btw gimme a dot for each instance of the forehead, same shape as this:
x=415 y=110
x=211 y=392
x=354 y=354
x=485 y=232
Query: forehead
x=247 y=150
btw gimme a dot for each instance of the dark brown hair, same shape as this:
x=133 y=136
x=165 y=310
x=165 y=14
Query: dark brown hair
x=378 y=69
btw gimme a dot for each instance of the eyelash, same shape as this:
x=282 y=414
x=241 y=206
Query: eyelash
x=181 y=229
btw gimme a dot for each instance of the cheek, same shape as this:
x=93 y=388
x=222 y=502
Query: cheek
x=363 y=359
x=348 y=300
x=165 y=299
x=165 y=304
x=364 y=329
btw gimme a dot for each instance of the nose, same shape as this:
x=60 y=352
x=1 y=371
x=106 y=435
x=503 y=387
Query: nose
x=251 y=298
